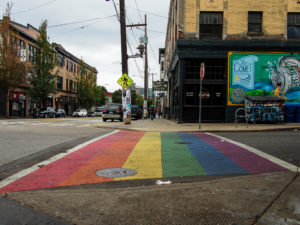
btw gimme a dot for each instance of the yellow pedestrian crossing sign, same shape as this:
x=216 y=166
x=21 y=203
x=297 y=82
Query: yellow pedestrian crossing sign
x=125 y=81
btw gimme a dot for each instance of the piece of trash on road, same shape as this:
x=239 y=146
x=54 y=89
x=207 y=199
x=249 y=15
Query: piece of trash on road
x=159 y=182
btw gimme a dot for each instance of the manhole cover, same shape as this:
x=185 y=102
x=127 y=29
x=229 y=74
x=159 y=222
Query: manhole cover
x=116 y=172
x=183 y=143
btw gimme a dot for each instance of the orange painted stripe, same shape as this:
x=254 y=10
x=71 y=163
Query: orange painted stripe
x=113 y=157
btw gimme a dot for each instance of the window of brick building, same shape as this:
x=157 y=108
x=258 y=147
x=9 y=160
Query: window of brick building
x=60 y=60
x=67 y=85
x=255 y=23
x=71 y=85
x=293 y=26
x=211 y=25
x=59 y=83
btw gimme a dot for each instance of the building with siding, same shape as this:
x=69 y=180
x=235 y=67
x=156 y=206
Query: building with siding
x=244 y=45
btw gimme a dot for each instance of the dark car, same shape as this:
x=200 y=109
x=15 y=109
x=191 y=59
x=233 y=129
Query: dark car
x=136 y=112
x=60 y=113
x=92 y=114
x=47 y=112
x=112 y=112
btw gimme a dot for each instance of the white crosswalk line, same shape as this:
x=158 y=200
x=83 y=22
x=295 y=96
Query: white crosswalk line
x=61 y=124
x=86 y=125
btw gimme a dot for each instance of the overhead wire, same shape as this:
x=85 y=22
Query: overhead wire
x=136 y=64
x=81 y=21
x=33 y=8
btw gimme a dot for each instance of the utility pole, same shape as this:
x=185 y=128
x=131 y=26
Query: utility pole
x=146 y=63
x=123 y=37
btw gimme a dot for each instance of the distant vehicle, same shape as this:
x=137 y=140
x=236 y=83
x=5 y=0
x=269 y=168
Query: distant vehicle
x=80 y=113
x=47 y=112
x=112 y=112
x=136 y=112
x=60 y=113
x=99 y=111
x=92 y=114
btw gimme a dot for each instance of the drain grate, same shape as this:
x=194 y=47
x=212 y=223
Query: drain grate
x=183 y=143
x=116 y=172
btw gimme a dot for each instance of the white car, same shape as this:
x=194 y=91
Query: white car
x=80 y=113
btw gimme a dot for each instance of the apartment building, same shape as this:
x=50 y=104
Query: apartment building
x=248 y=47
x=21 y=103
x=68 y=67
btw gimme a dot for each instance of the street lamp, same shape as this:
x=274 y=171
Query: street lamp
x=141 y=49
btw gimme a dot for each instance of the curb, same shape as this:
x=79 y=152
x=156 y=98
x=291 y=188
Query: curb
x=296 y=128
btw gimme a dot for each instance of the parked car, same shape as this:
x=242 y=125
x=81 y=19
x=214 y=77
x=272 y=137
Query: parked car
x=60 y=113
x=80 y=113
x=112 y=112
x=92 y=114
x=136 y=112
x=47 y=112
x=99 y=111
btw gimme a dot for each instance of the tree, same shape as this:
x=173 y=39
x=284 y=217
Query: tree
x=117 y=96
x=133 y=97
x=86 y=87
x=12 y=70
x=140 y=101
x=43 y=80
x=100 y=95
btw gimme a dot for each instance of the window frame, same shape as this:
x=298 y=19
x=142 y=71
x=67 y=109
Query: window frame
x=207 y=20
x=291 y=23
x=252 y=22
x=59 y=87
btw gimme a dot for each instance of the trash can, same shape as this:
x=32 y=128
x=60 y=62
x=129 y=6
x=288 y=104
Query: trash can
x=297 y=116
x=289 y=113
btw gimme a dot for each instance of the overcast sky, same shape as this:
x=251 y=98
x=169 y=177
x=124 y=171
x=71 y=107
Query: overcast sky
x=91 y=30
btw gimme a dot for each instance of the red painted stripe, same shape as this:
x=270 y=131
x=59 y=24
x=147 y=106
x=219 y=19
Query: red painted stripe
x=56 y=172
x=113 y=157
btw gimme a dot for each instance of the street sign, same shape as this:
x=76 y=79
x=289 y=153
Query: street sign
x=160 y=85
x=202 y=71
x=125 y=81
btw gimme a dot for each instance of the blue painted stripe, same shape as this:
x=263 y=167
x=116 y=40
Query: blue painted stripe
x=211 y=160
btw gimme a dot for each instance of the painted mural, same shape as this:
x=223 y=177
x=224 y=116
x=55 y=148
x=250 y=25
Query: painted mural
x=264 y=74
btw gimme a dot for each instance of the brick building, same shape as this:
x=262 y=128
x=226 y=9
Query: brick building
x=243 y=45
x=20 y=102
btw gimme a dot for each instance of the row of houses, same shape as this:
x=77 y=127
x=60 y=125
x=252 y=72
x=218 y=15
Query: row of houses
x=248 y=47
x=20 y=102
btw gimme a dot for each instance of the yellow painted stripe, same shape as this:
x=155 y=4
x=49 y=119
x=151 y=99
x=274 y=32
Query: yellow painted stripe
x=145 y=158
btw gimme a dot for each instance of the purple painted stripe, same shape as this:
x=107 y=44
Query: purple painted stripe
x=246 y=159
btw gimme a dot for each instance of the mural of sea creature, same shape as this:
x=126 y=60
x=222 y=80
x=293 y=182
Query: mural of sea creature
x=287 y=75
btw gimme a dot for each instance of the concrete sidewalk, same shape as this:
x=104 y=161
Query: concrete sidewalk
x=267 y=199
x=163 y=125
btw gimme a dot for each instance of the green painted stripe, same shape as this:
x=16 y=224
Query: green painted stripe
x=177 y=160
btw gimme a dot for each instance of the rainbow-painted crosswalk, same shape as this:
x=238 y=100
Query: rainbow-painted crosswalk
x=151 y=154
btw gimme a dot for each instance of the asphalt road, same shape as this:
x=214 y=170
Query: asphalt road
x=284 y=145
x=27 y=142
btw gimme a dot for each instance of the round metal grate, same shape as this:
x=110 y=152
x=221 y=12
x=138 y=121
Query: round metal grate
x=116 y=172
x=183 y=143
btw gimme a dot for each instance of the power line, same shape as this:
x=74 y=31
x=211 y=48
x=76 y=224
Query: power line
x=150 y=13
x=82 y=21
x=37 y=7
x=79 y=28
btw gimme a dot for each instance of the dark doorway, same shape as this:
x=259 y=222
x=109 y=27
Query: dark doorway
x=213 y=90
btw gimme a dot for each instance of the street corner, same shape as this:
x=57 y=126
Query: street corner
x=133 y=155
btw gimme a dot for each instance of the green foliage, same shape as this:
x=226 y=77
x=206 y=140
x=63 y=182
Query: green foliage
x=100 y=95
x=12 y=70
x=140 y=101
x=87 y=90
x=133 y=97
x=117 y=96
x=43 y=80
